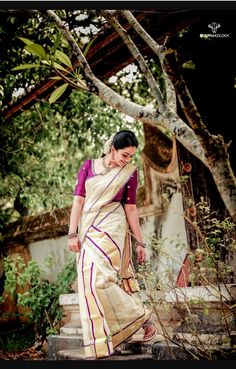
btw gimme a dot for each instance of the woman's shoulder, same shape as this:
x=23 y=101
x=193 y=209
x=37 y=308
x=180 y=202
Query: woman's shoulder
x=86 y=164
x=134 y=175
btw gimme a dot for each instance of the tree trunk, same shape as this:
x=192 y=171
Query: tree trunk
x=210 y=149
x=214 y=146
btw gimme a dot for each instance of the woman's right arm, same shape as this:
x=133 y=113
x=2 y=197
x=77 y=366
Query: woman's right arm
x=77 y=206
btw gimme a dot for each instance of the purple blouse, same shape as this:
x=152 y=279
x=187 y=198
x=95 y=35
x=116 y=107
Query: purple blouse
x=126 y=195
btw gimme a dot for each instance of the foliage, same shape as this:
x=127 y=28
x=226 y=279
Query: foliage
x=216 y=244
x=32 y=141
x=51 y=48
x=17 y=339
x=13 y=26
x=43 y=148
x=38 y=297
x=53 y=59
x=209 y=267
x=16 y=24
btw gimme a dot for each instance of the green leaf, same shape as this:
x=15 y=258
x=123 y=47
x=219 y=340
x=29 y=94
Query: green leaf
x=57 y=93
x=26 y=66
x=45 y=62
x=26 y=40
x=57 y=77
x=88 y=47
x=36 y=49
x=59 y=66
x=64 y=42
x=63 y=58
x=189 y=65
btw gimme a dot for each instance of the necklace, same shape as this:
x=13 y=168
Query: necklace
x=107 y=169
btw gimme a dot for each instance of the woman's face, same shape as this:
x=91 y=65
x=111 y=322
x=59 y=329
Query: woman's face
x=123 y=156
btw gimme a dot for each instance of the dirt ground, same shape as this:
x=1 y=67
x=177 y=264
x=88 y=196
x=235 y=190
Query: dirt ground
x=27 y=354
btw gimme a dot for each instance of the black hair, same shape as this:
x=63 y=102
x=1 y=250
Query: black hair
x=124 y=138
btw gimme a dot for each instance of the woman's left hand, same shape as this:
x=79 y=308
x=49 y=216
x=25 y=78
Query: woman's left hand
x=141 y=254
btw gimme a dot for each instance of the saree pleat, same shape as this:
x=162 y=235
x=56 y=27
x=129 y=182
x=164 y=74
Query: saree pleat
x=110 y=310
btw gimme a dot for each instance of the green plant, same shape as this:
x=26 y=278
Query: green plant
x=210 y=267
x=58 y=61
x=39 y=298
x=17 y=339
x=215 y=234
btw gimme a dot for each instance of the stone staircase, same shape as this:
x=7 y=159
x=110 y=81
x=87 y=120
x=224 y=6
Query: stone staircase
x=123 y=355
x=177 y=338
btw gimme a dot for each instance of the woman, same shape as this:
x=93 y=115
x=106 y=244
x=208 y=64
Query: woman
x=103 y=210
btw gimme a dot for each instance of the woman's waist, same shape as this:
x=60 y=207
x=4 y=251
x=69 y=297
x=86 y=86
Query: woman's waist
x=109 y=218
x=112 y=207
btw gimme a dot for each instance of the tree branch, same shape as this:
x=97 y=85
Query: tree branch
x=138 y=57
x=158 y=50
x=213 y=145
x=168 y=119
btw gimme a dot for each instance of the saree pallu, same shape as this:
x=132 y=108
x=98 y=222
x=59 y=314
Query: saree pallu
x=111 y=311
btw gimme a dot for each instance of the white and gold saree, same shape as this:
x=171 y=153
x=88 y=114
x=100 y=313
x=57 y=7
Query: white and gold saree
x=110 y=310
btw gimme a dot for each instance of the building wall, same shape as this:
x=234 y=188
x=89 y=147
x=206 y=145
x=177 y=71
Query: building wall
x=56 y=249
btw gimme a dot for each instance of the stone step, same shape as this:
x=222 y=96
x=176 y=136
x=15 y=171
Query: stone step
x=165 y=350
x=71 y=330
x=79 y=354
x=57 y=343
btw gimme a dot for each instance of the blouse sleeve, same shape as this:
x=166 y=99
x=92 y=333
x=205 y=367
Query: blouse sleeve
x=80 y=181
x=131 y=186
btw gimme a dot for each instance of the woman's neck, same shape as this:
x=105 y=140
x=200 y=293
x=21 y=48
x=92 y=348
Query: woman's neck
x=109 y=162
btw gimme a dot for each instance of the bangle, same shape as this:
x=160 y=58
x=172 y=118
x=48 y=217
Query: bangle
x=138 y=243
x=72 y=235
